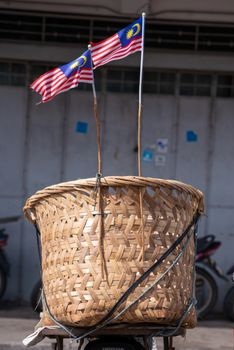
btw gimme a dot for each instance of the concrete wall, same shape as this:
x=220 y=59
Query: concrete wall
x=39 y=146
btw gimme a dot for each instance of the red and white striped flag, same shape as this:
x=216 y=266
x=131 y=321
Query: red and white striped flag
x=119 y=45
x=64 y=78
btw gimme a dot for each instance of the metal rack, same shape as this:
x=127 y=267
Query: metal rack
x=144 y=331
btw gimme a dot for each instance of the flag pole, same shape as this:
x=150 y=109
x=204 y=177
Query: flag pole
x=139 y=138
x=95 y=109
x=140 y=97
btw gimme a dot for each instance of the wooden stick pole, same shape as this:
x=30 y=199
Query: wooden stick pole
x=104 y=271
x=97 y=119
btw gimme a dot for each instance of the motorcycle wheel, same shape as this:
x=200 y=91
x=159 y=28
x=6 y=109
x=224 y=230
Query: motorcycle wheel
x=3 y=280
x=36 y=301
x=206 y=292
x=228 y=305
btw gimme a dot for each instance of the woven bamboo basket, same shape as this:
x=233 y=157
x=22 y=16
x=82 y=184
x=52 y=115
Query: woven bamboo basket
x=76 y=291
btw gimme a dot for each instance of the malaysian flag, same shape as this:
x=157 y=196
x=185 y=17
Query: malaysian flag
x=119 y=45
x=64 y=78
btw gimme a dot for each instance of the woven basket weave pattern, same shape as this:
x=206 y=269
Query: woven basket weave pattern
x=68 y=219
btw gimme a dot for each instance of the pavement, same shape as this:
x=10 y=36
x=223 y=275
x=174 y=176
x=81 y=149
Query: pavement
x=18 y=322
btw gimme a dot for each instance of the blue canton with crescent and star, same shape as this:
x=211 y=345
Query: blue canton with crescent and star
x=84 y=61
x=131 y=32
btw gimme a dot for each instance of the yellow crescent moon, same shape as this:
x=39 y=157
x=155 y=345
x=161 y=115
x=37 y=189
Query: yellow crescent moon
x=85 y=59
x=138 y=28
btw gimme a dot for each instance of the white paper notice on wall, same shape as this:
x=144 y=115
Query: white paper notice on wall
x=162 y=145
x=160 y=160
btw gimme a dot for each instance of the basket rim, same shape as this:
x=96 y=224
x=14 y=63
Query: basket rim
x=111 y=181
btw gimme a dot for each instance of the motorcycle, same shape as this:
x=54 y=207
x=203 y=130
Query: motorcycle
x=228 y=304
x=4 y=263
x=206 y=286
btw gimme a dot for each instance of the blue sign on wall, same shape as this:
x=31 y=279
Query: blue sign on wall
x=191 y=136
x=148 y=155
x=82 y=127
